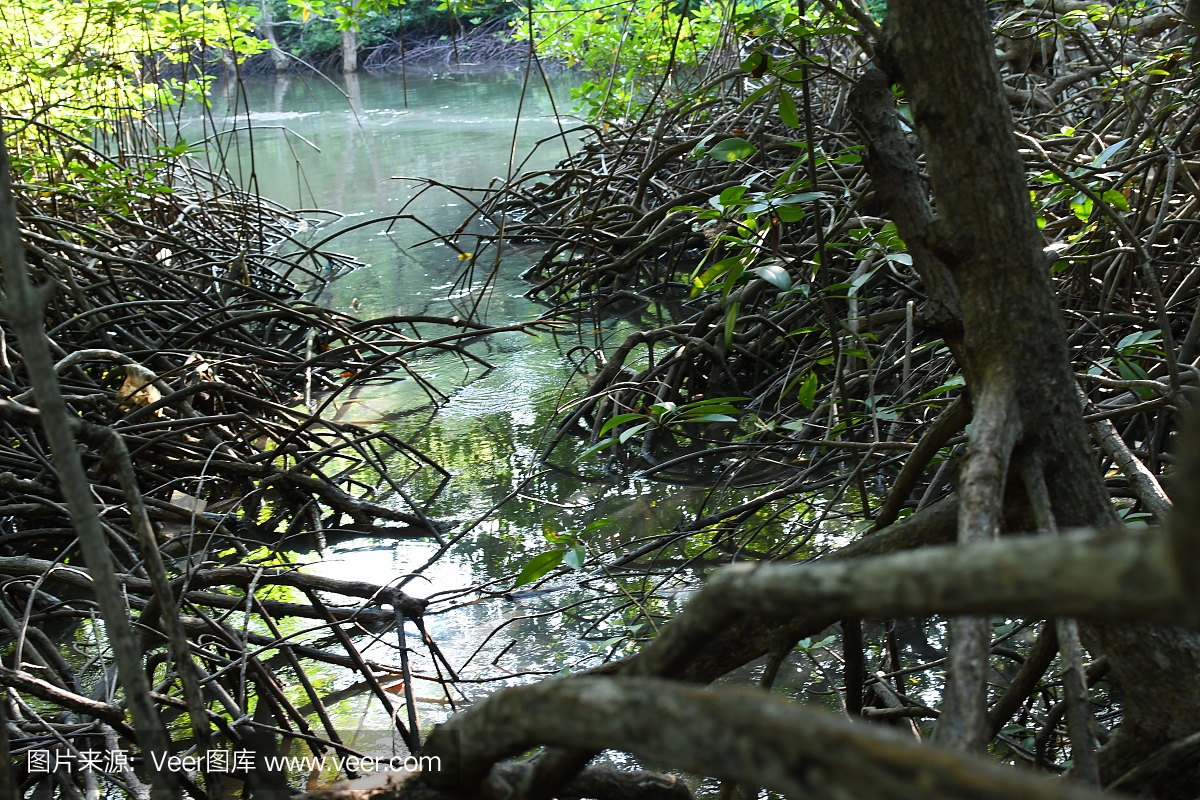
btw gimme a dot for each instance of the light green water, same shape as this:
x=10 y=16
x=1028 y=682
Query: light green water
x=317 y=145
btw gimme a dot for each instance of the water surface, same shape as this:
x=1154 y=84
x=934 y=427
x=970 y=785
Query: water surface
x=340 y=146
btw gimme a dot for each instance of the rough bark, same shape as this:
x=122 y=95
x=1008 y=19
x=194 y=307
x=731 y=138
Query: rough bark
x=1156 y=667
x=750 y=636
x=1013 y=353
x=267 y=26
x=1143 y=482
x=1014 y=338
x=982 y=256
x=1107 y=576
x=1114 y=575
x=350 y=49
x=744 y=736
x=599 y=782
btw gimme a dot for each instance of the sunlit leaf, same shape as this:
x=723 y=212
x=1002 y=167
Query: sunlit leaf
x=630 y=432
x=575 y=557
x=712 y=418
x=538 y=566
x=1082 y=206
x=757 y=64
x=1108 y=153
x=789 y=213
x=598 y=446
x=619 y=419
x=553 y=536
x=733 y=149
x=731 y=195
x=957 y=382
x=803 y=197
x=596 y=525
x=1115 y=199
x=775 y=275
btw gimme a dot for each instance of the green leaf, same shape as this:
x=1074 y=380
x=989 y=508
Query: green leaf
x=553 y=536
x=659 y=409
x=808 y=390
x=709 y=401
x=711 y=405
x=775 y=275
x=1138 y=341
x=1133 y=372
x=712 y=273
x=731 y=196
x=787 y=109
x=575 y=557
x=957 y=382
x=631 y=432
x=598 y=446
x=789 y=213
x=607 y=643
x=1082 y=205
x=596 y=525
x=730 y=321
x=803 y=197
x=539 y=565
x=717 y=408
x=861 y=280
x=1108 y=153
x=889 y=237
x=712 y=418
x=619 y=419
x=731 y=278
x=757 y=93
x=1116 y=199
x=733 y=149
x=756 y=63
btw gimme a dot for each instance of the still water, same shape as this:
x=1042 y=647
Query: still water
x=338 y=145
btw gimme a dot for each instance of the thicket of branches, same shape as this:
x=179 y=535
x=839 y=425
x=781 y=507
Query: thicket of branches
x=822 y=367
x=197 y=380
x=772 y=193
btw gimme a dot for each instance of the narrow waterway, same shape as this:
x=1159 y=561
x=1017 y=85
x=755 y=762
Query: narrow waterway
x=348 y=147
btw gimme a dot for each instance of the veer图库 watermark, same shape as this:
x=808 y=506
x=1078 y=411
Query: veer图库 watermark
x=228 y=761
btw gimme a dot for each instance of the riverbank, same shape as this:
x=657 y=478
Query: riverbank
x=488 y=44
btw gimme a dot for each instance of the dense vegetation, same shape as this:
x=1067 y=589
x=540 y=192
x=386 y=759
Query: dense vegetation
x=904 y=282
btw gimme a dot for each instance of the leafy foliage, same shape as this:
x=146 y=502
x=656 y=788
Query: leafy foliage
x=624 y=48
x=81 y=63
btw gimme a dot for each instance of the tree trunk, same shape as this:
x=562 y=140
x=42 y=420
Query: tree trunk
x=268 y=32
x=350 y=49
x=1013 y=352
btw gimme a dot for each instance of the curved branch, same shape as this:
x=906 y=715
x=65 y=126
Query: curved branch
x=748 y=737
x=949 y=422
x=1143 y=482
x=1108 y=576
